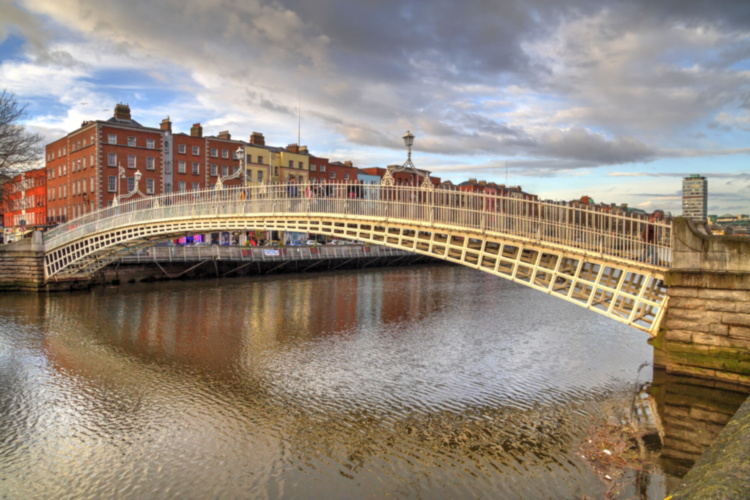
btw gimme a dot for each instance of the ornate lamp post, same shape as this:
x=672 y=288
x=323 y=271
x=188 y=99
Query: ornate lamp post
x=241 y=171
x=136 y=189
x=408 y=166
x=408 y=142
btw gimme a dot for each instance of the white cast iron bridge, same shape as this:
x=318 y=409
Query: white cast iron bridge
x=597 y=260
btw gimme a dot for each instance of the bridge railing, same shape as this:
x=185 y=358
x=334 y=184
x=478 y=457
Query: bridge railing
x=631 y=237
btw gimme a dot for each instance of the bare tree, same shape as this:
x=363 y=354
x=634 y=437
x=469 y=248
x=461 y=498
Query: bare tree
x=19 y=149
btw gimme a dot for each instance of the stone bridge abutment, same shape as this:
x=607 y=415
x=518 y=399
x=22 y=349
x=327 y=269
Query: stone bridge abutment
x=705 y=330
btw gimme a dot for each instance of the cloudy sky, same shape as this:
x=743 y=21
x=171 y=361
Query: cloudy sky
x=618 y=100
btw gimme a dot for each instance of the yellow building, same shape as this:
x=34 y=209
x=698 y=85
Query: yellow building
x=294 y=162
x=269 y=164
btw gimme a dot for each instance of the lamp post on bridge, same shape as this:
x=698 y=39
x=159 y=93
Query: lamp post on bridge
x=408 y=166
x=241 y=171
x=136 y=188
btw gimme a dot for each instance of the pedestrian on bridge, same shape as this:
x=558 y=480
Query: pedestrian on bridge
x=649 y=236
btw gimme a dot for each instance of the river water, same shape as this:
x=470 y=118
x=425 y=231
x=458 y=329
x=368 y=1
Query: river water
x=420 y=382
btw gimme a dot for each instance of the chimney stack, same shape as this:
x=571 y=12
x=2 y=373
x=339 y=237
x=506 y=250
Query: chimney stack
x=166 y=124
x=224 y=134
x=122 y=112
x=196 y=130
x=257 y=139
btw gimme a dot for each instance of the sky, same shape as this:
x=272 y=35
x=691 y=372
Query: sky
x=614 y=99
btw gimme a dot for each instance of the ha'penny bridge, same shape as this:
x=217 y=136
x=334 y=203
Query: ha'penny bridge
x=595 y=260
x=690 y=291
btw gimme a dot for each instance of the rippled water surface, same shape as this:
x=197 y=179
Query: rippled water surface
x=429 y=382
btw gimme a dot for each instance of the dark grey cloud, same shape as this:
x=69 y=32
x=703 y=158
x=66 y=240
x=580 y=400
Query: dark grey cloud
x=563 y=85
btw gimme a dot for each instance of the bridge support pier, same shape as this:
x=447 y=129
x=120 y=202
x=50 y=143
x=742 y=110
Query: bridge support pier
x=705 y=330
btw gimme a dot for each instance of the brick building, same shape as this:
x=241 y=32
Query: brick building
x=24 y=200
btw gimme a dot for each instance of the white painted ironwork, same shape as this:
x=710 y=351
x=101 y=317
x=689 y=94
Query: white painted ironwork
x=595 y=259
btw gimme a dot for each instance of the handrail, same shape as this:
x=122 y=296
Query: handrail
x=563 y=224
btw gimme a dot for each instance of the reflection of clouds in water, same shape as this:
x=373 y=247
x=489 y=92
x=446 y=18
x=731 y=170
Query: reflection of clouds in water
x=407 y=380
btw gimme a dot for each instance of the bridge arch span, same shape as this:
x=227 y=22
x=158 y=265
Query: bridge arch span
x=511 y=247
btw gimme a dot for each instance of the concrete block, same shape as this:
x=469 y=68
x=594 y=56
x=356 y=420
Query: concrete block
x=679 y=336
x=718 y=329
x=736 y=319
x=720 y=305
x=739 y=332
x=682 y=292
x=684 y=324
x=712 y=340
x=688 y=303
x=730 y=295
x=705 y=317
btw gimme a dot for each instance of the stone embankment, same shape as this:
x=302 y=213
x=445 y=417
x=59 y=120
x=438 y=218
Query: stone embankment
x=723 y=471
x=22 y=265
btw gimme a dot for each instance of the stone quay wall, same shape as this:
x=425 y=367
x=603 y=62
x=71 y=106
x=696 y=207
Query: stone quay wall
x=706 y=328
x=22 y=265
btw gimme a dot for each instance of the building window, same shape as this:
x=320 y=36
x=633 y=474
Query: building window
x=196 y=168
x=181 y=186
x=291 y=164
x=322 y=168
x=214 y=170
x=150 y=163
x=260 y=160
x=131 y=161
x=168 y=168
x=112 y=139
x=260 y=176
x=131 y=141
x=235 y=170
x=196 y=186
x=346 y=177
x=224 y=170
x=112 y=159
x=332 y=175
x=92 y=184
x=85 y=161
x=168 y=187
x=181 y=167
x=111 y=183
x=312 y=167
x=196 y=150
x=149 y=186
x=181 y=149
x=214 y=153
x=276 y=171
x=166 y=145
x=299 y=165
x=150 y=143
x=225 y=153
x=131 y=184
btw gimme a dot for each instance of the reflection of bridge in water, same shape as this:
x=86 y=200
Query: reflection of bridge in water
x=589 y=258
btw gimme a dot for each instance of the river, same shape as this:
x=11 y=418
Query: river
x=419 y=382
